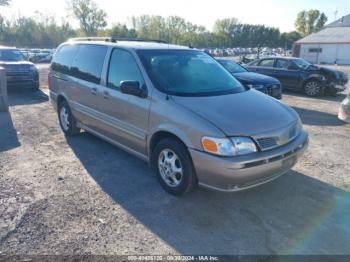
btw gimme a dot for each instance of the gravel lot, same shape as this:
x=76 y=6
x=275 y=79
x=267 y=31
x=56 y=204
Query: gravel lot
x=81 y=195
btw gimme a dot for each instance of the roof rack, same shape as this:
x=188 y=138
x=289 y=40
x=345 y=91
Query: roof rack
x=116 y=39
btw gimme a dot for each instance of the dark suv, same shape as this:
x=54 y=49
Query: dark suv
x=299 y=75
x=18 y=71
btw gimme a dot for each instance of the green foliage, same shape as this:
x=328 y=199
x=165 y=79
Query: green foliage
x=44 y=31
x=90 y=17
x=288 y=39
x=309 y=22
x=40 y=31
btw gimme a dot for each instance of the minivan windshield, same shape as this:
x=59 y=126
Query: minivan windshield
x=11 y=55
x=188 y=73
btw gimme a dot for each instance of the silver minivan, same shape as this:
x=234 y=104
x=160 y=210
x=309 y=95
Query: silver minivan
x=177 y=108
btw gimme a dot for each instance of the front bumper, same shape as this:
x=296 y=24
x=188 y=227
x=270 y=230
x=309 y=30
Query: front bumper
x=242 y=172
x=22 y=80
x=339 y=85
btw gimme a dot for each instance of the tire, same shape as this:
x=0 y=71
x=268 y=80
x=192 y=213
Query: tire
x=67 y=121
x=175 y=183
x=312 y=88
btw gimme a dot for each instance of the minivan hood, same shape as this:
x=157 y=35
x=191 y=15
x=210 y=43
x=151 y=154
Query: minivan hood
x=248 y=113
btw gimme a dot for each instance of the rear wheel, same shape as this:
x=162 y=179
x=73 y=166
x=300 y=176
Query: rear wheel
x=67 y=121
x=173 y=167
x=312 y=88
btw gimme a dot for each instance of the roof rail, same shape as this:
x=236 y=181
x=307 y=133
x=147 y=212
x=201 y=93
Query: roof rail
x=116 y=39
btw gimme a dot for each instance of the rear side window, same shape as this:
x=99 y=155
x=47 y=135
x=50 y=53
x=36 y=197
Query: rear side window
x=266 y=63
x=282 y=64
x=123 y=67
x=88 y=63
x=254 y=63
x=63 y=59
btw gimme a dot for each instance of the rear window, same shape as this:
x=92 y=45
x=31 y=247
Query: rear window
x=63 y=58
x=87 y=64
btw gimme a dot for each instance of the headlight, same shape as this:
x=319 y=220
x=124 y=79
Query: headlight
x=255 y=86
x=229 y=146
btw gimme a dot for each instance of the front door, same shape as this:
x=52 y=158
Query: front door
x=125 y=116
x=289 y=77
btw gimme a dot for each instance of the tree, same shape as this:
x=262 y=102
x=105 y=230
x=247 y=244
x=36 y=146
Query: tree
x=288 y=39
x=224 y=29
x=321 y=22
x=308 y=22
x=122 y=31
x=90 y=17
x=4 y=2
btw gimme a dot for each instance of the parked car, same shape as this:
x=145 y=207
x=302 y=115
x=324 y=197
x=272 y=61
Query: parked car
x=344 y=110
x=18 y=71
x=176 y=108
x=41 y=57
x=266 y=84
x=299 y=75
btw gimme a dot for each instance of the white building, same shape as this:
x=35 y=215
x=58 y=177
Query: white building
x=330 y=46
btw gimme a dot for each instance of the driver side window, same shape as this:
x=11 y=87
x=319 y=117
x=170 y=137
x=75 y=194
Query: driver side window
x=123 y=67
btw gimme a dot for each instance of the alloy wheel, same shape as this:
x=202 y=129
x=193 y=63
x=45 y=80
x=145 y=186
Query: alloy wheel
x=170 y=168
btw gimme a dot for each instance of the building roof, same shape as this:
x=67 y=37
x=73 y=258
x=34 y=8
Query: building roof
x=342 y=22
x=337 y=32
x=329 y=35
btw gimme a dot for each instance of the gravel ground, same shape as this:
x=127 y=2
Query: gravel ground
x=81 y=195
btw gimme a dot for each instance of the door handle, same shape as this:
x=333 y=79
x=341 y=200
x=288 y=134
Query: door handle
x=94 y=91
x=105 y=94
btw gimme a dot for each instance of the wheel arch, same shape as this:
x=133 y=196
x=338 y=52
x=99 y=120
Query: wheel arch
x=160 y=135
x=60 y=99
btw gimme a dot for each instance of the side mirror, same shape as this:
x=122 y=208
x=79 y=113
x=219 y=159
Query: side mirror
x=133 y=88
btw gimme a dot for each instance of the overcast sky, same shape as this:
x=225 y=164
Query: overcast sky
x=277 y=13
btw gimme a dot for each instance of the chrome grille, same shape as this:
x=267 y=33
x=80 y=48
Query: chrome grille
x=267 y=143
x=17 y=69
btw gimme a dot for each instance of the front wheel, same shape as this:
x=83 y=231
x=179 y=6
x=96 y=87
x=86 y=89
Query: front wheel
x=312 y=88
x=173 y=167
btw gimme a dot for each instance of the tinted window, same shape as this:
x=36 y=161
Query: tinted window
x=232 y=67
x=11 y=55
x=188 y=73
x=63 y=58
x=123 y=67
x=88 y=63
x=266 y=63
x=254 y=63
x=282 y=64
